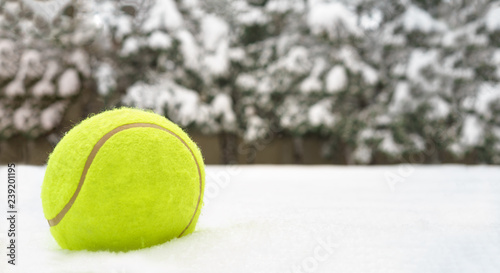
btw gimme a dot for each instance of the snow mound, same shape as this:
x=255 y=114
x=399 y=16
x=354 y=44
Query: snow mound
x=393 y=219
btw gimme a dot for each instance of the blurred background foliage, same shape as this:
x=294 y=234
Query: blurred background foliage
x=368 y=82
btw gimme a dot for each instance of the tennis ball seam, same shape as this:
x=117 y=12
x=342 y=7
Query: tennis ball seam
x=58 y=218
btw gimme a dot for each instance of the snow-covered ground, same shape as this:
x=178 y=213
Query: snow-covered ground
x=301 y=219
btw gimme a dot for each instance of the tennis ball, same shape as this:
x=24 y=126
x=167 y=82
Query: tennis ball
x=121 y=180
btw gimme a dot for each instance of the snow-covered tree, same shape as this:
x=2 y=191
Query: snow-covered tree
x=436 y=61
x=43 y=65
x=376 y=81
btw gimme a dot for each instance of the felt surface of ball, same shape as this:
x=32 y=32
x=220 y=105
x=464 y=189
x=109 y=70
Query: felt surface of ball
x=121 y=180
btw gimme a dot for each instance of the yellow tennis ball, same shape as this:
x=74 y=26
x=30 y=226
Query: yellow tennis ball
x=121 y=180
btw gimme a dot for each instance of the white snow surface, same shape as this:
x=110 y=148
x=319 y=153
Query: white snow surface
x=406 y=218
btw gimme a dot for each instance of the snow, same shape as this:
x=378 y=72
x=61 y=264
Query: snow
x=383 y=119
x=131 y=46
x=213 y=31
x=164 y=15
x=237 y=54
x=15 y=88
x=292 y=114
x=495 y=58
x=8 y=58
x=183 y=106
x=69 y=83
x=329 y=17
x=31 y=64
x=418 y=19
x=352 y=61
x=283 y=6
x=265 y=85
x=159 y=40
x=336 y=79
x=418 y=142
x=222 y=106
x=440 y=108
x=362 y=154
x=218 y=63
x=255 y=129
x=191 y=4
x=189 y=49
x=143 y=96
x=419 y=60
x=492 y=18
x=448 y=67
x=371 y=20
x=297 y=60
x=313 y=83
x=405 y=218
x=52 y=115
x=122 y=25
x=400 y=99
x=246 y=81
x=45 y=87
x=370 y=75
x=252 y=16
x=104 y=17
x=167 y=98
x=105 y=77
x=472 y=131
x=13 y=8
x=366 y=134
x=81 y=60
x=46 y=9
x=215 y=36
x=388 y=145
x=488 y=93
x=24 y=118
x=310 y=84
x=468 y=34
x=320 y=114
x=186 y=104
x=390 y=36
